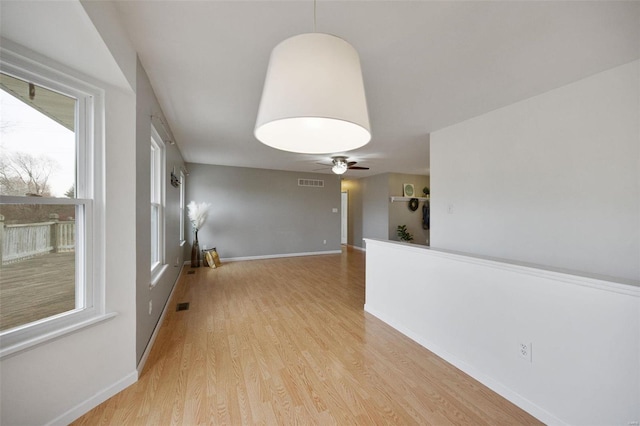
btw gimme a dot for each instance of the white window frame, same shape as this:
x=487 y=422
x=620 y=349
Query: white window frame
x=157 y=201
x=181 y=211
x=89 y=201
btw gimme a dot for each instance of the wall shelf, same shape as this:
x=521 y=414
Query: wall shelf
x=394 y=199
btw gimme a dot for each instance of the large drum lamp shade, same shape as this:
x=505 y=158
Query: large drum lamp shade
x=313 y=99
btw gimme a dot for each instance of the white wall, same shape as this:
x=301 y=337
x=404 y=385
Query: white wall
x=59 y=380
x=584 y=333
x=552 y=180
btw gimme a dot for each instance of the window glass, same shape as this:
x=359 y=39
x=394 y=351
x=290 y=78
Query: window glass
x=38 y=273
x=182 y=189
x=39 y=267
x=38 y=141
x=157 y=201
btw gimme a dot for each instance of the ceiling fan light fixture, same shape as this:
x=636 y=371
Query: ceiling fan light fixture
x=313 y=100
x=340 y=166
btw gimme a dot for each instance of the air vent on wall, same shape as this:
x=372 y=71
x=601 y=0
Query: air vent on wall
x=315 y=183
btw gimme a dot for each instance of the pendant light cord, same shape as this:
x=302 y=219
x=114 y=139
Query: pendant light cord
x=314 y=16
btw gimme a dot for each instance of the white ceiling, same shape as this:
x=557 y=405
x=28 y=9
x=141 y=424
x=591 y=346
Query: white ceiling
x=426 y=65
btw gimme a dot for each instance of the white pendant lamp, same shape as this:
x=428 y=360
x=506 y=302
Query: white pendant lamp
x=313 y=100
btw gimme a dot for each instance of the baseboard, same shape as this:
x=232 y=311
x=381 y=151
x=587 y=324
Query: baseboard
x=515 y=398
x=156 y=330
x=95 y=400
x=275 y=256
x=357 y=248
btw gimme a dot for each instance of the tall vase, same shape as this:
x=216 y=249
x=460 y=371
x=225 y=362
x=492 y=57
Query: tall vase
x=195 y=252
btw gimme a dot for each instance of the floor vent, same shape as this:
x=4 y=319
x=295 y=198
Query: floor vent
x=182 y=306
x=191 y=272
x=314 y=183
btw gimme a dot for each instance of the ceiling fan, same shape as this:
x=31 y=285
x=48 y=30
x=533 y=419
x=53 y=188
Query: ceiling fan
x=340 y=165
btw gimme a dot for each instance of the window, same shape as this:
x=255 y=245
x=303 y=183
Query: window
x=49 y=216
x=182 y=189
x=157 y=204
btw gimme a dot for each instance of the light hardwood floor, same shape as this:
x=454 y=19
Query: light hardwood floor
x=286 y=341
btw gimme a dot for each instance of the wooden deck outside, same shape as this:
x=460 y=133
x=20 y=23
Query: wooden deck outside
x=36 y=288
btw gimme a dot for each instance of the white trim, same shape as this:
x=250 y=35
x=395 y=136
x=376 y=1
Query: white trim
x=276 y=256
x=157 y=274
x=612 y=284
x=43 y=337
x=356 y=247
x=158 y=199
x=97 y=399
x=156 y=330
x=90 y=226
x=517 y=399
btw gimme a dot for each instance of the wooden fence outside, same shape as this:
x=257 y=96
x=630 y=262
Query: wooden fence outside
x=24 y=241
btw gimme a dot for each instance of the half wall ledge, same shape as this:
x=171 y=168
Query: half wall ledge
x=473 y=311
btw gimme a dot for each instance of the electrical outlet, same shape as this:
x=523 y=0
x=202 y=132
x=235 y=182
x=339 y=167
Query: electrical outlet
x=524 y=350
x=150 y=306
x=324 y=241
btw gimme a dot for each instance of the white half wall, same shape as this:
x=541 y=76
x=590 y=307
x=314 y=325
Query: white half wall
x=553 y=180
x=584 y=332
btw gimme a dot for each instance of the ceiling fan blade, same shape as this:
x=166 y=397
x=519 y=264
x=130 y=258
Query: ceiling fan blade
x=358 y=168
x=352 y=163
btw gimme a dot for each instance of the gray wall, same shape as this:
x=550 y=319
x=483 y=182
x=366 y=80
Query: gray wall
x=372 y=215
x=258 y=212
x=147 y=105
x=399 y=212
x=354 y=214
x=553 y=180
x=375 y=206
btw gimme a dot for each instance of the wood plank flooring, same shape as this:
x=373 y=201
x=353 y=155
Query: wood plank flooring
x=286 y=341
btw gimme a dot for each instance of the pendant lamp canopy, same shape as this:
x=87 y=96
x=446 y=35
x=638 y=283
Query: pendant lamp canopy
x=313 y=99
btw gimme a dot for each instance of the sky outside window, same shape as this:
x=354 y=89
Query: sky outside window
x=25 y=130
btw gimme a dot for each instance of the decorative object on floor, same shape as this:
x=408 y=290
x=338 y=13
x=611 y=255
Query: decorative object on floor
x=413 y=204
x=407 y=189
x=211 y=258
x=197 y=215
x=403 y=234
x=313 y=99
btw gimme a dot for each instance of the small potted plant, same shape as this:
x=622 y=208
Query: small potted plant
x=403 y=234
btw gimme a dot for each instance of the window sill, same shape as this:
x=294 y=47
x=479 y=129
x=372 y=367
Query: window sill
x=12 y=349
x=157 y=274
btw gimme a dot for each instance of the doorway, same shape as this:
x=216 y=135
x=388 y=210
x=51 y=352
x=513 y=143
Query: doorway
x=344 y=206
